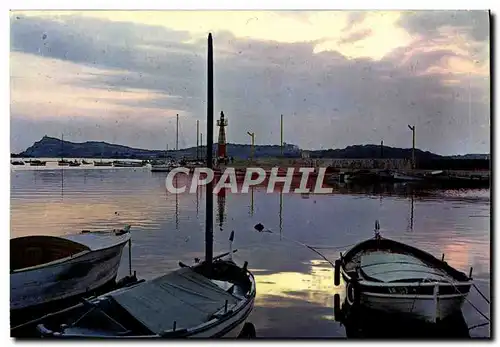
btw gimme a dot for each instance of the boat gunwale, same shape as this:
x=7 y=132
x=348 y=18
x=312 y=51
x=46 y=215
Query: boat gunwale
x=244 y=303
x=427 y=257
x=71 y=257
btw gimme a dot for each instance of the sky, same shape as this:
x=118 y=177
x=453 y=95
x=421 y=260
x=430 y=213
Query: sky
x=339 y=78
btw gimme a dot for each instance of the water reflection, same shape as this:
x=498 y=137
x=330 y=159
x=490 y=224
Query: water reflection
x=295 y=287
x=360 y=322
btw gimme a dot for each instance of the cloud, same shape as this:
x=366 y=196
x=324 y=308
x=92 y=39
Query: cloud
x=474 y=24
x=340 y=100
x=356 y=36
x=353 y=19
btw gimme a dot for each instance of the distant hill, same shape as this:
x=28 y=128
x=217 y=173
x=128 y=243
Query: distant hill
x=374 y=151
x=53 y=147
x=471 y=156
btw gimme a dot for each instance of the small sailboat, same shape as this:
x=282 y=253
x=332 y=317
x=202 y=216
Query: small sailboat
x=62 y=161
x=48 y=269
x=390 y=276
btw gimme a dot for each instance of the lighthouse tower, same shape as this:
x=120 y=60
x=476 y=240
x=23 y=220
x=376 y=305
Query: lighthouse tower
x=221 y=149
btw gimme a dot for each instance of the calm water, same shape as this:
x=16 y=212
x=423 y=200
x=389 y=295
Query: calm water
x=294 y=285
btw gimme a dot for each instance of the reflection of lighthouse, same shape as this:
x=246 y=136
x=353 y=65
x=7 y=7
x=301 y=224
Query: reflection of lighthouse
x=221 y=207
x=221 y=149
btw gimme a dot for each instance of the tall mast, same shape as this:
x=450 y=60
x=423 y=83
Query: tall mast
x=177 y=134
x=281 y=132
x=210 y=139
x=197 y=138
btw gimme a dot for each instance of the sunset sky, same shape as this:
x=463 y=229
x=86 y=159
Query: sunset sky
x=338 y=77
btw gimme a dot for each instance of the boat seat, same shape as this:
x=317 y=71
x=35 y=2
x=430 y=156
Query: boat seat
x=390 y=267
x=183 y=296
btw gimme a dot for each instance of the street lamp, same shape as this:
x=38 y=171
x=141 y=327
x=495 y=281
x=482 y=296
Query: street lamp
x=412 y=128
x=252 y=135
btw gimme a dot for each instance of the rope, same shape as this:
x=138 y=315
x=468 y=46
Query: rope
x=312 y=249
x=473 y=306
x=484 y=297
x=333 y=247
x=478 y=325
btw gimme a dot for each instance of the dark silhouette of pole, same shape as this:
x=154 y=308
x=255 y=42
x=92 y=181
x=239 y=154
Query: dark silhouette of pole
x=281 y=131
x=412 y=128
x=382 y=149
x=210 y=139
x=177 y=135
x=197 y=138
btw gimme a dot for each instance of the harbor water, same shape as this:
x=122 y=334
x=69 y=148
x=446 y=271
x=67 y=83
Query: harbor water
x=295 y=286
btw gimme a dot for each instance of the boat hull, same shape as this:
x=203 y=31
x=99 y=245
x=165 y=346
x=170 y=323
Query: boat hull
x=421 y=303
x=74 y=277
x=426 y=299
x=424 y=308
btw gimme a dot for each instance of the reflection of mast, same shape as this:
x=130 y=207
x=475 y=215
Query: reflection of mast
x=176 y=207
x=251 y=201
x=281 y=213
x=197 y=201
x=221 y=207
x=411 y=211
x=62 y=182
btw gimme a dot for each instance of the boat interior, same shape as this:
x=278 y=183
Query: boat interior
x=385 y=260
x=166 y=306
x=32 y=251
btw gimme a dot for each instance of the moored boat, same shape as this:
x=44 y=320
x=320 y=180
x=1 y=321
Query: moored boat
x=47 y=269
x=37 y=163
x=118 y=163
x=205 y=300
x=17 y=162
x=103 y=163
x=390 y=276
x=402 y=177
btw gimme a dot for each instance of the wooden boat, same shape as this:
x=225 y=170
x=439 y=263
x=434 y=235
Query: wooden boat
x=361 y=322
x=48 y=269
x=63 y=162
x=166 y=166
x=205 y=300
x=119 y=163
x=401 y=177
x=17 y=162
x=74 y=163
x=103 y=163
x=37 y=163
x=390 y=276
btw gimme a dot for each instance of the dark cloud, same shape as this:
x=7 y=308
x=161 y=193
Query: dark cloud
x=327 y=100
x=475 y=23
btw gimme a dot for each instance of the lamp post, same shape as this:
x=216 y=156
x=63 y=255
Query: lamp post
x=252 y=135
x=412 y=128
